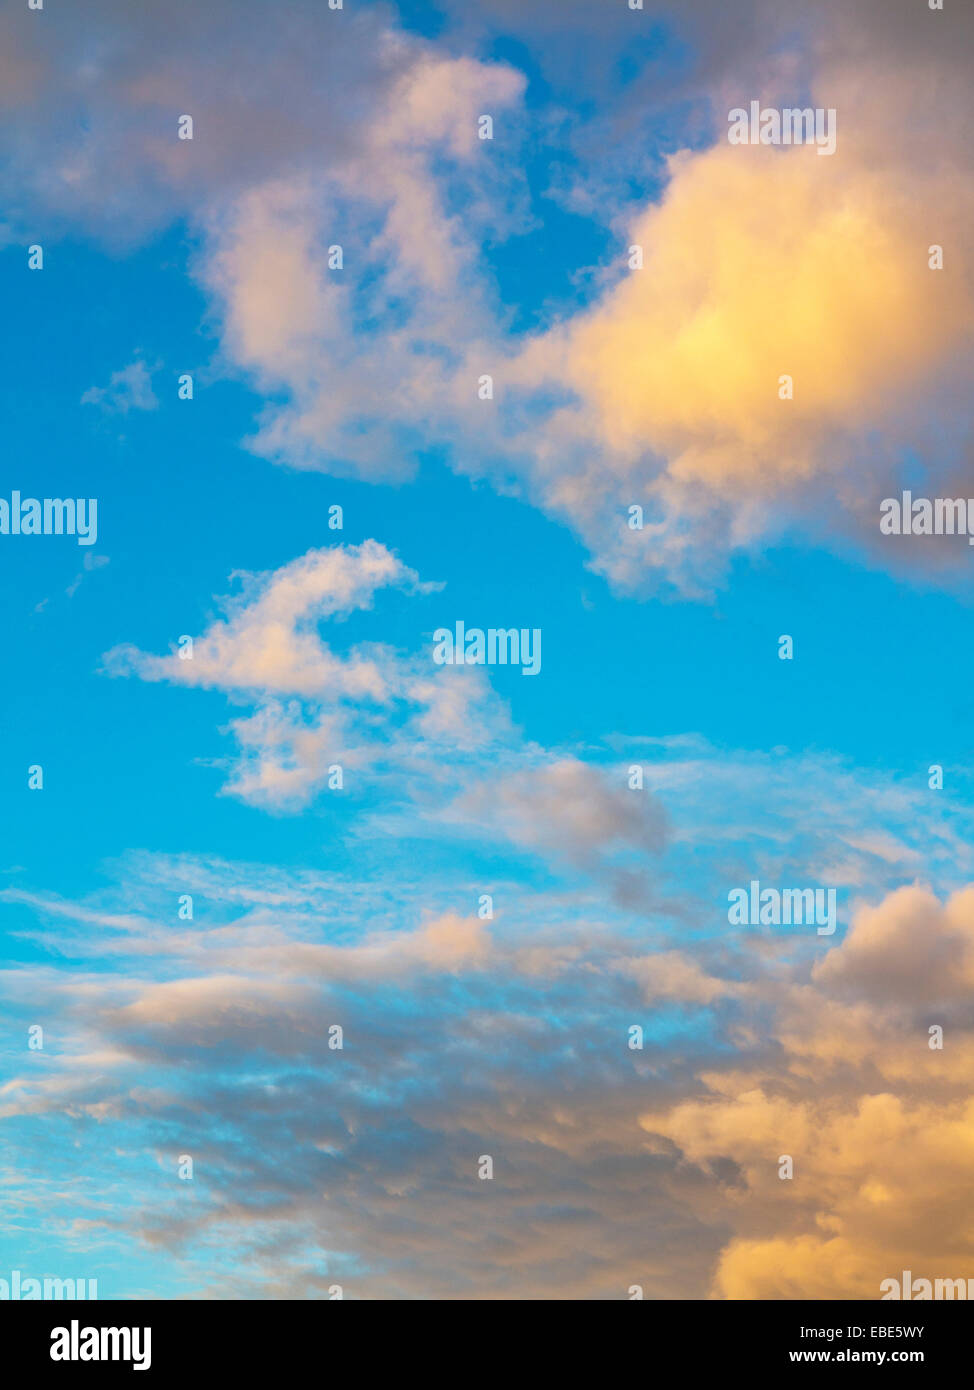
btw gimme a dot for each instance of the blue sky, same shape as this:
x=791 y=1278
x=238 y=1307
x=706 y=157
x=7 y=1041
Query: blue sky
x=467 y=1035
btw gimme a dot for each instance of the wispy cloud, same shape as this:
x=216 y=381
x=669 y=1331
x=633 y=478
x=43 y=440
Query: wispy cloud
x=130 y=388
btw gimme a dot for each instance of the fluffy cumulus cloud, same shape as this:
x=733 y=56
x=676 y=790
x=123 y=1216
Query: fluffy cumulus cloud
x=910 y=949
x=853 y=1082
x=760 y=264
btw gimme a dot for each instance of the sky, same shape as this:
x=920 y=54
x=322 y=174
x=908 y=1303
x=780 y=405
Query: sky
x=430 y=383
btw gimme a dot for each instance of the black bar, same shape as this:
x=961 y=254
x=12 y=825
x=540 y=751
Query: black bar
x=254 y=1339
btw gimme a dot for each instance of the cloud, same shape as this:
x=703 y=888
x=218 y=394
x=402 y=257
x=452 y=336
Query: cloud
x=661 y=389
x=567 y=808
x=910 y=949
x=878 y=1123
x=270 y=642
x=759 y=263
x=614 y=1165
x=89 y=564
x=390 y=1126
x=878 y=1181
x=248 y=1011
x=99 y=96
x=676 y=975
x=315 y=709
x=130 y=388
x=753 y=1049
x=356 y=292
x=805 y=1267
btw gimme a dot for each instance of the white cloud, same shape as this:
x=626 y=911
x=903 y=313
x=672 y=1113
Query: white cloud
x=314 y=708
